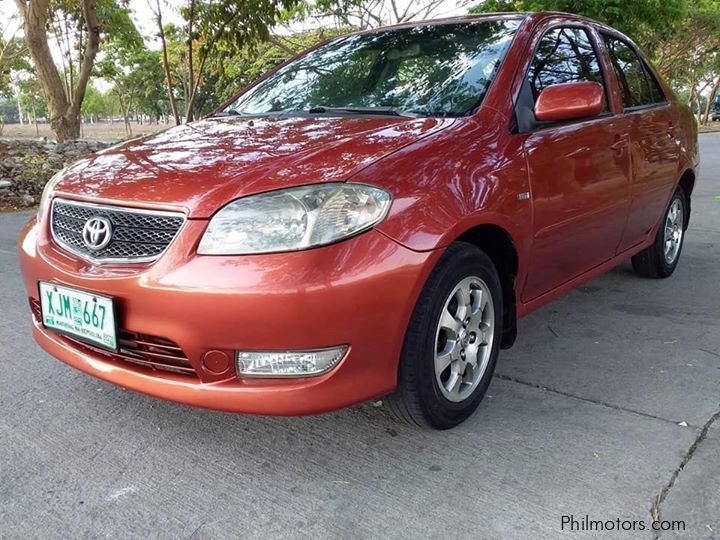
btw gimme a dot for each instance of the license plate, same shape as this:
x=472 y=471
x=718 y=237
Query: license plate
x=83 y=315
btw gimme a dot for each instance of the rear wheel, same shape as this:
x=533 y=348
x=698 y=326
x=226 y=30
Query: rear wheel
x=661 y=258
x=452 y=342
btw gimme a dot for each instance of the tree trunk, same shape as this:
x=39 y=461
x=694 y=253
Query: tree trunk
x=37 y=129
x=125 y=108
x=19 y=108
x=189 y=99
x=35 y=16
x=64 y=109
x=166 y=64
x=710 y=102
x=65 y=128
x=698 y=107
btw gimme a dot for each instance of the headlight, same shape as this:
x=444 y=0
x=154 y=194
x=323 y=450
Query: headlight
x=294 y=219
x=47 y=193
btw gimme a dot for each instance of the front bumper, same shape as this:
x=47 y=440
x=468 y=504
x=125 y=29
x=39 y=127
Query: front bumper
x=359 y=292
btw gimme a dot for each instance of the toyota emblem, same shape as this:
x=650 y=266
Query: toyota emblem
x=97 y=233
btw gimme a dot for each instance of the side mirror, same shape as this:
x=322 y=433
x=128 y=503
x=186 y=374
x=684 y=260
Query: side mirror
x=570 y=101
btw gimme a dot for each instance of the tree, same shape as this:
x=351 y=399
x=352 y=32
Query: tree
x=646 y=21
x=119 y=65
x=214 y=31
x=13 y=61
x=78 y=25
x=137 y=77
x=30 y=96
x=682 y=36
x=8 y=111
x=13 y=54
x=224 y=79
x=94 y=105
x=691 y=57
x=157 y=14
x=151 y=98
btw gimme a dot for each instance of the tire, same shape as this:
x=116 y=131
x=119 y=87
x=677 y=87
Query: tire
x=472 y=332
x=656 y=261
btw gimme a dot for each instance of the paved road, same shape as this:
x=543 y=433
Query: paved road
x=584 y=418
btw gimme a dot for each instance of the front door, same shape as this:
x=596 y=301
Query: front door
x=579 y=172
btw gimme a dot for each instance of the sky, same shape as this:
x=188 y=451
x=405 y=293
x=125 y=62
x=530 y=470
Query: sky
x=142 y=14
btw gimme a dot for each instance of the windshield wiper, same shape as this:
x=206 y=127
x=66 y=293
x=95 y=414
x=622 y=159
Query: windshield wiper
x=380 y=111
x=228 y=112
x=235 y=112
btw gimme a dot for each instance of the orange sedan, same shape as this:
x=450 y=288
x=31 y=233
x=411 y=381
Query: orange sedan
x=371 y=218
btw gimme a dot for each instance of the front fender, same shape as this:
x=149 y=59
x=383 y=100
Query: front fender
x=471 y=174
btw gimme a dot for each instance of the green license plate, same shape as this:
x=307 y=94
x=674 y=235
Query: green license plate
x=83 y=315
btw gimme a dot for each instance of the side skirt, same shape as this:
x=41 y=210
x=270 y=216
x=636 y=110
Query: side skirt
x=528 y=307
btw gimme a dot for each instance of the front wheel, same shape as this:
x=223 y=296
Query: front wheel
x=660 y=259
x=452 y=342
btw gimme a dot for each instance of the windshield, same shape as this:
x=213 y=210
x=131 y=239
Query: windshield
x=430 y=70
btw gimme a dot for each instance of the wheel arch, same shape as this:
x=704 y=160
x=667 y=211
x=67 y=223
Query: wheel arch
x=687 y=183
x=498 y=244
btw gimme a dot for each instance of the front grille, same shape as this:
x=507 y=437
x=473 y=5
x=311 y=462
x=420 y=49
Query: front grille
x=148 y=351
x=137 y=235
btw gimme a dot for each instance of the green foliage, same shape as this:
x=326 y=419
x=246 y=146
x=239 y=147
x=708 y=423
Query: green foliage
x=227 y=26
x=31 y=98
x=8 y=110
x=228 y=77
x=340 y=10
x=114 y=16
x=646 y=21
x=682 y=36
x=222 y=45
x=215 y=31
x=136 y=74
x=694 y=48
x=13 y=57
x=96 y=104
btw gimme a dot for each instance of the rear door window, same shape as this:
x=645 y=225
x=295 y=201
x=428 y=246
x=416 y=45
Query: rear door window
x=656 y=90
x=637 y=86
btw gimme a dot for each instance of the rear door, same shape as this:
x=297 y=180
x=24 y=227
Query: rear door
x=653 y=144
x=579 y=171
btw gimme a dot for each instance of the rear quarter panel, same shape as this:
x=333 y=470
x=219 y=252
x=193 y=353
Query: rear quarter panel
x=687 y=136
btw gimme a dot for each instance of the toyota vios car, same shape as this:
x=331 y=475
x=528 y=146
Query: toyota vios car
x=369 y=219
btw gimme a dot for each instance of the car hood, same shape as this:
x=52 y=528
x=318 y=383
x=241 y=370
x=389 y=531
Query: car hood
x=199 y=167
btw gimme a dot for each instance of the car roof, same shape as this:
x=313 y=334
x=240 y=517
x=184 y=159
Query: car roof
x=449 y=20
x=529 y=18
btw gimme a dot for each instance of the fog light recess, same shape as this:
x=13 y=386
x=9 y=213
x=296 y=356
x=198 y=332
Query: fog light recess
x=288 y=363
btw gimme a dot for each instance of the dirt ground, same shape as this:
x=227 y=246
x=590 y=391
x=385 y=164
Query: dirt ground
x=98 y=132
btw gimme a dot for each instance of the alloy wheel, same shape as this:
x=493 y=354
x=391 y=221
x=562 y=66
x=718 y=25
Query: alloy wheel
x=464 y=338
x=673 y=231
